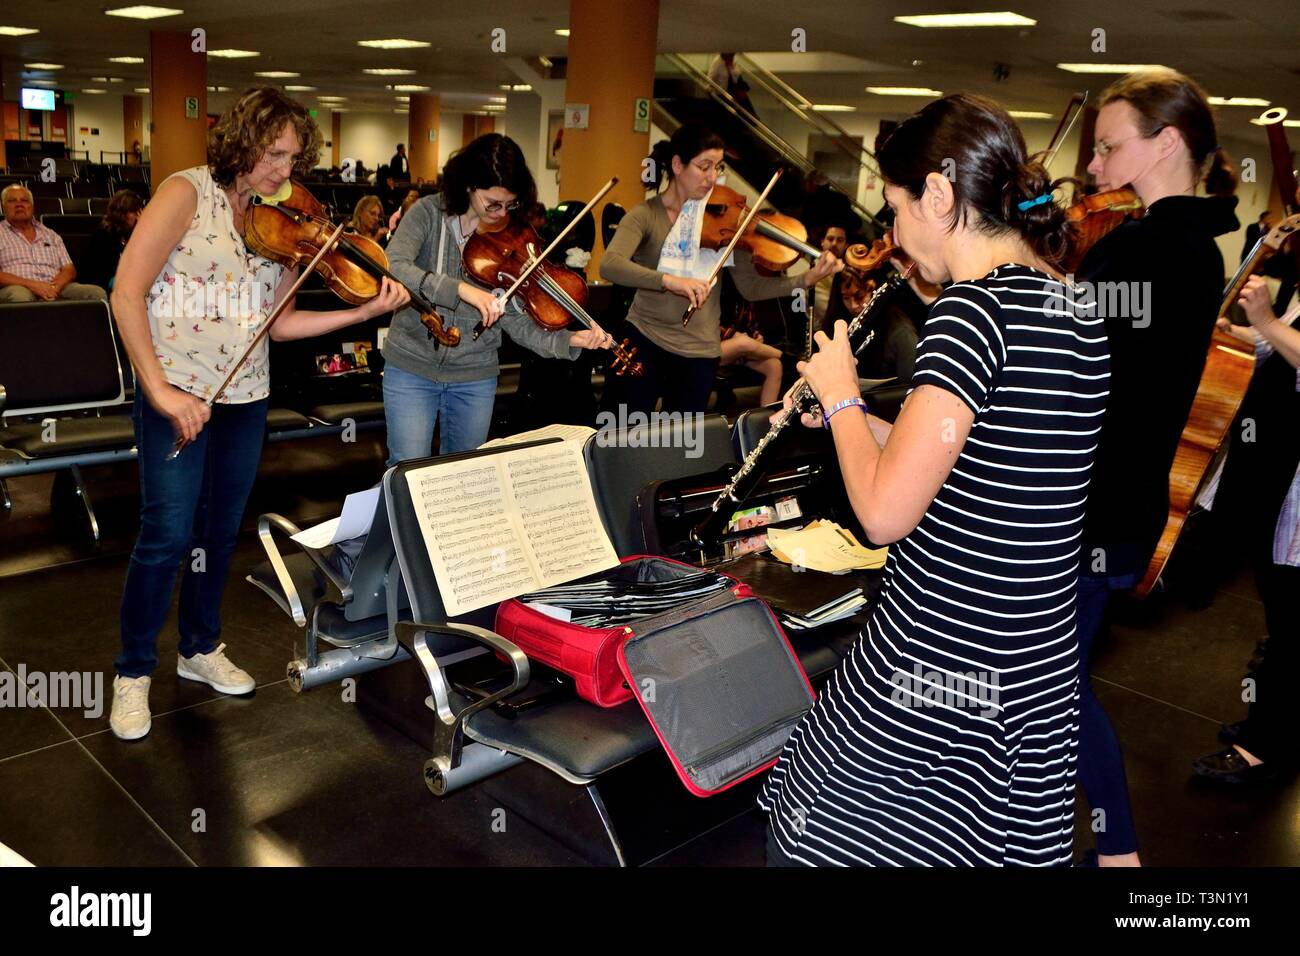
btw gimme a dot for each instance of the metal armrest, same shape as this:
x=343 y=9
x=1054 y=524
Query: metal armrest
x=447 y=739
x=4 y=399
x=338 y=590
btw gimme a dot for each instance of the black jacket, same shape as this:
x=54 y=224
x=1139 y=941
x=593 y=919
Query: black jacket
x=1155 y=366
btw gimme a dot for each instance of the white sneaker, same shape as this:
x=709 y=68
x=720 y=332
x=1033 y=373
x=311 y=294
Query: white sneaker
x=217 y=670
x=130 y=718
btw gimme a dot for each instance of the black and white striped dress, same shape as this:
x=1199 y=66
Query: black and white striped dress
x=948 y=735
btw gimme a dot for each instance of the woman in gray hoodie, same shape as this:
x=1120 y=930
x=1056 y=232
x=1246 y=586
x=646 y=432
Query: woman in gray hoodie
x=485 y=182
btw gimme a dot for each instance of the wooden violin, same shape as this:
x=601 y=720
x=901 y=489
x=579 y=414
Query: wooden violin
x=1099 y=215
x=774 y=241
x=292 y=228
x=551 y=294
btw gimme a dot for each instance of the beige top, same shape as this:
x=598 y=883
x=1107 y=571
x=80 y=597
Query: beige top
x=210 y=300
x=631 y=259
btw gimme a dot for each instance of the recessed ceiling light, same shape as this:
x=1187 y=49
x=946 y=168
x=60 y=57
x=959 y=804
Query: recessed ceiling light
x=1030 y=114
x=1004 y=19
x=298 y=89
x=277 y=74
x=93 y=90
x=126 y=59
x=497 y=99
x=326 y=96
x=387 y=71
x=562 y=32
x=410 y=88
x=402 y=99
x=43 y=66
x=832 y=108
x=903 y=91
x=516 y=87
x=142 y=89
x=1291 y=122
x=1108 y=67
x=143 y=12
x=397 y=44
x=218 y=89
x=1237 y=101
x=233 y=54
x=100 y=79
x=494 y=108
x=400 y=110
x=17 y=31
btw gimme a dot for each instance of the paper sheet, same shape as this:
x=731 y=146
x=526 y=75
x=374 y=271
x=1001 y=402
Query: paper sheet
x=824 y=546
x=358 y=513
x=502 y=525
x=579 y=433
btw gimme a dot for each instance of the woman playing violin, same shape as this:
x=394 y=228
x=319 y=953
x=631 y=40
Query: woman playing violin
x=1155 y=132
x=656 y=250
x=484 y=184
x=188 y=299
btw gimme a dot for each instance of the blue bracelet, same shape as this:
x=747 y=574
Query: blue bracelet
x=840 y=406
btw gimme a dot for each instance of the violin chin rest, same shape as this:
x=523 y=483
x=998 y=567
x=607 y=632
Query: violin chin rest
x=280 y=195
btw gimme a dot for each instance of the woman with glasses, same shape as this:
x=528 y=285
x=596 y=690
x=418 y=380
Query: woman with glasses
x=656 y=250
x=1156 y=133
x=187 y=250
x=483 y=184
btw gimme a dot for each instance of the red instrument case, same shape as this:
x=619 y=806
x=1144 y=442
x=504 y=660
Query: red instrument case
x=715 y=676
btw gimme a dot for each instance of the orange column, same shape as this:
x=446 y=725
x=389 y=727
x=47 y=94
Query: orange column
x=176 y=73
x=336 y=137
x=611 y=64
x=422 y=142
x=132 y=124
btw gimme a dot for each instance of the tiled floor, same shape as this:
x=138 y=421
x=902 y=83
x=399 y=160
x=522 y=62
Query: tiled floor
x=285 y=779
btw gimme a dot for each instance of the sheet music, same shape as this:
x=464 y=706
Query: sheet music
x=578 y=433
x=502 y=525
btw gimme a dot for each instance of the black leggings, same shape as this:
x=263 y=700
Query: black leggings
x=683 y=383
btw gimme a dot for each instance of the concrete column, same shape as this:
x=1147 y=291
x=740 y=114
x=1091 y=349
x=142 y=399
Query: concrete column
x=422 y=152
x=175 y=73
x=611 y=63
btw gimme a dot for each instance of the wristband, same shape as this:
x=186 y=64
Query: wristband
x=840 y=406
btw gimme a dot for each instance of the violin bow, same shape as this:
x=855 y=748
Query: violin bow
x=731 y=246
x=523 y=276
x=265 y=329
x=1077 y=103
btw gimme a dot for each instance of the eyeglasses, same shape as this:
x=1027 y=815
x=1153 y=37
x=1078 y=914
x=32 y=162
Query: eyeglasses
x=495 y=206
x=1104 y=148
x=706 y=167
x=279 y=158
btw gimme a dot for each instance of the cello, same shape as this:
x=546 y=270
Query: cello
x=1227 y=374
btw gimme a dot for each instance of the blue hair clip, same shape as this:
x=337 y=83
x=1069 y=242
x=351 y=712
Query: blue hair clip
x=1037 y=201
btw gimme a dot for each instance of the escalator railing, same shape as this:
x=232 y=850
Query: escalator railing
x=697 y=96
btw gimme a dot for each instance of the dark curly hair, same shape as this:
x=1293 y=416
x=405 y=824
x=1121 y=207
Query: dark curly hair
x=978 y=146
x=247 y=129
x=491 y=160
x=123 y=203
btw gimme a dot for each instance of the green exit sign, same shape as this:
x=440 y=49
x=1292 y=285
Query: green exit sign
x=313 y=113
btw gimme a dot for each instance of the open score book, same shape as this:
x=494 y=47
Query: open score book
x=502 y=525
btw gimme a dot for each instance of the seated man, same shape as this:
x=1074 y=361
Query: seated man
x=34 y=262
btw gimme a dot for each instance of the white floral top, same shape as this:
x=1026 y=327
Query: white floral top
x=210 y=300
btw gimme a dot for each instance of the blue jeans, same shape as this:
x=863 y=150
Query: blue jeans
x=413 y=404
x=1101 y=762
x=196 y=501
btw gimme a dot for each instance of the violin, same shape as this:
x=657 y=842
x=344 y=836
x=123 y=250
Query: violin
x=774 y=241
x=551 y=294
x=1098 y=215
x=863 y=259
x=291 y=228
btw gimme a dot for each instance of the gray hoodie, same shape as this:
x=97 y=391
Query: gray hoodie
x=424 y=254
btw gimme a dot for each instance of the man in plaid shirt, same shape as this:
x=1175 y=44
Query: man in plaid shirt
x=34 y=263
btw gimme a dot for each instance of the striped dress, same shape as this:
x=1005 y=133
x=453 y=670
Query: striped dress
x=948 y=735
